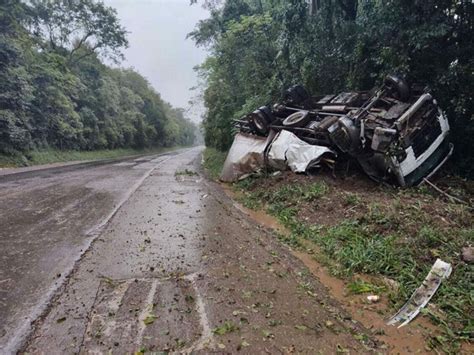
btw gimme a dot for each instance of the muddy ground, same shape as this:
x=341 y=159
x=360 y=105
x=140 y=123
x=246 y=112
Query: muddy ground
x=360 y=239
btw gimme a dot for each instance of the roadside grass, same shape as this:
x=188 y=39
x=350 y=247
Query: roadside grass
x=360 y=286
x=185 y=172
x=13 y=160
x=48 y=156
x=393 y=240
x=213 y=161
x=352 y=199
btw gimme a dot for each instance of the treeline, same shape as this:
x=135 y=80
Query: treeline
x=261 y=47
x=56 y=91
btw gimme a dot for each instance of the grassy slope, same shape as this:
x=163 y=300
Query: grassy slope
x=357 y=227
x=394 y=234
x=213 y=161
x=39 y=157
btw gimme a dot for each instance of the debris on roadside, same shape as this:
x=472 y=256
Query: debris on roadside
x=467 y=254
x=246 y=155
x=373 y=298
x=423 y=294
x=396 y=132
x=287 y=150
x=450 y=197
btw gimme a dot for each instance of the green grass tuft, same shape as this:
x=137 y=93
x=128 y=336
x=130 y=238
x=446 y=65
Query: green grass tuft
x=213 y=161
x=359 y=286
x=185 y=172
x=352 y=199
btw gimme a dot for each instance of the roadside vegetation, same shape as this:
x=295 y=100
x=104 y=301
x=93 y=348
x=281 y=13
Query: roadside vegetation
x=261 y=47
x=353 y=226
x=38 y=157
x=213 y=160
x=59 y=97
x=357 y=228
x=185 y=172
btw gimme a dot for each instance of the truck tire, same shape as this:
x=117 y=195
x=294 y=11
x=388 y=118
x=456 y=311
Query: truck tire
x=259 y=123
x=399 y=86
x=267 y=113
x=297 y=119
x=296 y=94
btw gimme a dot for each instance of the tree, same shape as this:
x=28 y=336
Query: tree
x=56 y=92
x=74 y=25
x=15 y=81
x=260 y=47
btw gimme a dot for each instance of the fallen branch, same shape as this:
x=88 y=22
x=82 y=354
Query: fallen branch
x=452 y=198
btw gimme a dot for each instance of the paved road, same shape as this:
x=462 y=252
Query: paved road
x=133 y=255
x=48 y=218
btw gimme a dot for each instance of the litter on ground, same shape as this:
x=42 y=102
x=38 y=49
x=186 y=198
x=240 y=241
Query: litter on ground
x=423 y=294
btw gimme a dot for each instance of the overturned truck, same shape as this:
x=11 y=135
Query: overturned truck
x=396 y=132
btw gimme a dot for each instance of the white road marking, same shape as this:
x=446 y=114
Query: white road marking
x=206 y=340
x=146 y=312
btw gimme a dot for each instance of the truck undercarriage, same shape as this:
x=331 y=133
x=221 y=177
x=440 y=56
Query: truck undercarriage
x=396 y=132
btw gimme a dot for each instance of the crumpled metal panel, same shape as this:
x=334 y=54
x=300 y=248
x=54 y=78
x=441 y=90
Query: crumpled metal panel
x=245 y=156
x=276 y=157
x=287 y=150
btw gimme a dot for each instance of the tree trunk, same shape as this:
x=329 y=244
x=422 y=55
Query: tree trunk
x=314 y=6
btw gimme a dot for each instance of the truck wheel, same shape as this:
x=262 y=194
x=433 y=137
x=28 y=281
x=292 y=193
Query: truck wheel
x=399 y=86
x=259 y=123
x=296 y=94
x=300 y=89
x=267 y=113
x=297 y=119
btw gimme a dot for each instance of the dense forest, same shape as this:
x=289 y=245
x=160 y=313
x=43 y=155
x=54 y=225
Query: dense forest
x=56 y=90
x=260 y=47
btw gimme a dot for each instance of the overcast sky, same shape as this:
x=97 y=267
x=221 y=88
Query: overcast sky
x=158 y=48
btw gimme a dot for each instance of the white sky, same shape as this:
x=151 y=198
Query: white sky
x=158 y=47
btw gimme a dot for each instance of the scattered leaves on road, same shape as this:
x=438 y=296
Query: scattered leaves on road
x=149 y=319
x=301 y=327
x=227 y=327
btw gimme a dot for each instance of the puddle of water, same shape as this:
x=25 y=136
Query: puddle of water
x=408 y=339
x=263 y=219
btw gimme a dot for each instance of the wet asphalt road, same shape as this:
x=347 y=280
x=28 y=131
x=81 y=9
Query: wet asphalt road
x=48 y=218
x=136 y=256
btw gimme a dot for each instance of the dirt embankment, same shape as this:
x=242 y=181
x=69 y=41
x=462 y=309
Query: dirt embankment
x=361 y=239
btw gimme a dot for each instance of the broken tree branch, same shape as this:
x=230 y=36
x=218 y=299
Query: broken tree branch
x=452 y=198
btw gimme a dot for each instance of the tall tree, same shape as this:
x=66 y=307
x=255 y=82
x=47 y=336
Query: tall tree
x=56 y=92
x=73 y=25
x=15 y=81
